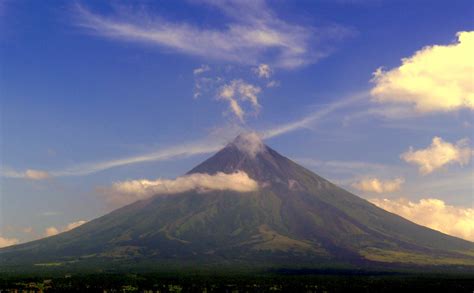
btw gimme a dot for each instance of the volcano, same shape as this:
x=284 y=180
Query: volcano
x=294 y=219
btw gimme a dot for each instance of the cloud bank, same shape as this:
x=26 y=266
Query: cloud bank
x=4 y=242
x=433 y=213
x=437 y=78
x=438 y=154
x=125 y=192
x=51 y=231
x=379 y=186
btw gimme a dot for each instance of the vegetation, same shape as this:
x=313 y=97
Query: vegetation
x=340 y=282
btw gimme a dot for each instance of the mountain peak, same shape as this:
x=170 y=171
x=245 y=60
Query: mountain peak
x=294 y=219
x=249 y=143
x=249 y=154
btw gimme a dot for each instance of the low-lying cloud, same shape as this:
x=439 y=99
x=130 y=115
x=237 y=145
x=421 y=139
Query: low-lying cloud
x=379 y=186
x=435 y=79
x=125 y=192
x=4 y=242
x=438 y=154
x=51 y=231
x=433 y=213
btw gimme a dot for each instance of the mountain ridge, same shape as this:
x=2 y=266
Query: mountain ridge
x=295 y=218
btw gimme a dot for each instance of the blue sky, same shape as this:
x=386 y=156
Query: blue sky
x=94 y=93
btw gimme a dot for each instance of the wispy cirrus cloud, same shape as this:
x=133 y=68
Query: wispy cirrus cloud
x=253 y=34
x=201 y=69
x=31 y=174
x=200 y=147
x=315 y=116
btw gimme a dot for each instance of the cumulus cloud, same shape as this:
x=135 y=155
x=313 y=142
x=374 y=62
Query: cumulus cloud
x=4 y=242
x=250 y=143
x=263 y=71
x=51 y=231
x=125 y=192
x=433 y=213
x=438 y=154
x=379 y=186
x=254 y=33
x=435 y=79
x=239 y=91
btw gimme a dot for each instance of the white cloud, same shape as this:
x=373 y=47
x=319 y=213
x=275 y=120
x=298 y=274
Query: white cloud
x=250 y=143
x=74 y=225
x=4 y=242
x=437 y=78
x=273 y=83
x=30 y=174
x=263 y=71
x=36 y=174
x=379 y=186
x=239 y=91
x=51 y=231
x=254 y=34
x=203 y=68
x=184 y=150
x=433 y=213
x=313 y=117
x=125 y=192
x=438 y=154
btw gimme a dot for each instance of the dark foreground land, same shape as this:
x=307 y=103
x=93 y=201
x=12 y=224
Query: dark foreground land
x=280 y=281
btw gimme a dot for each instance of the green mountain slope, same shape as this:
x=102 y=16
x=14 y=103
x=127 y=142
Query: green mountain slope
x=295 y=218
